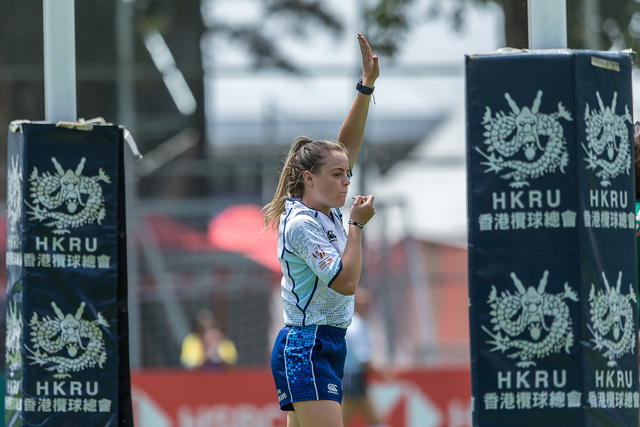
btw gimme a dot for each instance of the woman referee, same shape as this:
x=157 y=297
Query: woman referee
x=320 y=263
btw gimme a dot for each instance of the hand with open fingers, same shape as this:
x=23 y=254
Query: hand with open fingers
x=370 y=68
x=362 y=210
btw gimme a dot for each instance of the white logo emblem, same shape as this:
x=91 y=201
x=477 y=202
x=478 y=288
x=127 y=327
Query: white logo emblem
x=525 y=143
x=14 y=339
x=14 y=194
x=281 y=395
x=67 y=343
x=67 y=199
x=531 y=321
x=332 y=388
x=612 y=323
x=608 y=142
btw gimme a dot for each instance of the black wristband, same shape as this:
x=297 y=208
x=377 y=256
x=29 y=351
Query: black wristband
x=357 y=224
x=364 y=89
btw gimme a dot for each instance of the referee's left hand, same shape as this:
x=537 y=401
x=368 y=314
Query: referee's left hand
x=370 y=67
x=362 y=210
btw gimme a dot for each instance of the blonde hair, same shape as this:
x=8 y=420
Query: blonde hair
x=305 y=155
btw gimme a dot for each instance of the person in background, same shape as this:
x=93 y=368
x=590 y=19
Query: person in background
x=359 y=366
x=207 y=347
x=321 y=264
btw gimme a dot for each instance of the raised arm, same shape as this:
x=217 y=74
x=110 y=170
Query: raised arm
x=352 y=130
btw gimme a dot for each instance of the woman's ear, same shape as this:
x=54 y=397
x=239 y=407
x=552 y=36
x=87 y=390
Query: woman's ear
x=308 y=178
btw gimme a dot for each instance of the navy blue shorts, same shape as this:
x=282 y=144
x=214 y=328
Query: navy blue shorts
x=307 y=363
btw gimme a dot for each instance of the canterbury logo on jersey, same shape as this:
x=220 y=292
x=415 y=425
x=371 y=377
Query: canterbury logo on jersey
x=332 y=236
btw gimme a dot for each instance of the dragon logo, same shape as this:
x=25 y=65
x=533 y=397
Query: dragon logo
x=607 y=141
x=531 y=321
x=67 y=199
x=525 y=144
x=14 y=339
x=612 y=322
x=14 y=194
x=67 y=343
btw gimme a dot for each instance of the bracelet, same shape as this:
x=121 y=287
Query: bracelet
x=364 y=89
x=357 y=224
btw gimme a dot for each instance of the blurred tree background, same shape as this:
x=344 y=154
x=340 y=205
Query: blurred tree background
x=591 y=24
x=110 y=44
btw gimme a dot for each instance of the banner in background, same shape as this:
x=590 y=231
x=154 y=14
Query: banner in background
x=552 y=261
x=435 y=397
x=66 y=345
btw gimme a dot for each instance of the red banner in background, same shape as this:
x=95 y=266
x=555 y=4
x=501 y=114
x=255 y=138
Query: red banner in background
x=435 y=397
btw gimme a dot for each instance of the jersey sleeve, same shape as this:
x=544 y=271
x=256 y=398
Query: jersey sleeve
x=306 y=238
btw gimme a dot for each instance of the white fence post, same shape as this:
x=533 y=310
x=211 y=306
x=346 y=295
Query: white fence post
x=547 y=24
x=59 y=60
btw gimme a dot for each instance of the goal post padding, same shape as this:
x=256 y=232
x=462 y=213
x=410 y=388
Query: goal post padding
x=551 y=238
x=67 y=326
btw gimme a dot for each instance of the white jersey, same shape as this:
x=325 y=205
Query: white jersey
x=310 y=248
